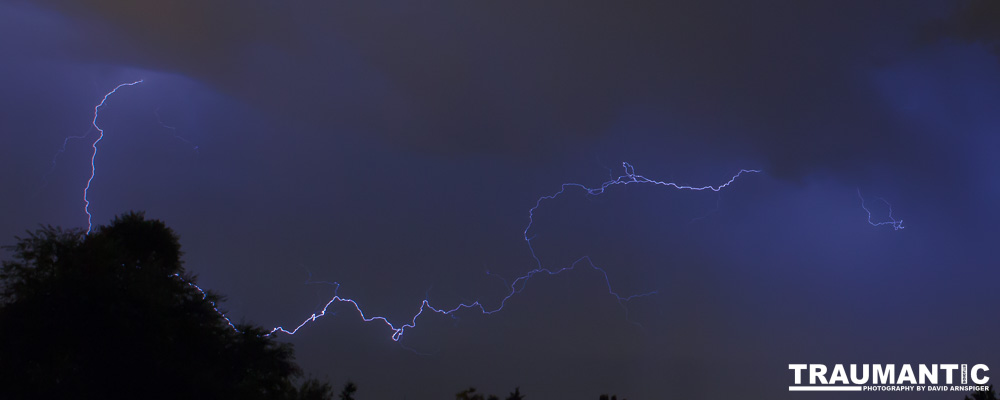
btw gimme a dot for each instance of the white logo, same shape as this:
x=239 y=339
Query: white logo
x=889 y=377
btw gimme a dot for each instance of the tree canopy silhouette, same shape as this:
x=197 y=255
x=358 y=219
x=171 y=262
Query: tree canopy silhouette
x=112 y=315
x=470 y=394
x=983 y=395
x=348 y=392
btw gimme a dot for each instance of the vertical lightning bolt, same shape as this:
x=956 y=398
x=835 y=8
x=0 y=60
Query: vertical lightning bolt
x=93 y=156
x=896 y=225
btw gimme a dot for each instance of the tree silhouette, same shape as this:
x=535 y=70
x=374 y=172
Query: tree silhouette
x=111 y=315
x=348 y=392
x=983 y=395
x=313 y=389
x=468 y=394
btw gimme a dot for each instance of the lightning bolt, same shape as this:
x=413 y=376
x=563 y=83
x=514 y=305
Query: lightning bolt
x=516 y=286
x=204 y=296
x=180 y=138
x=93 y=156
x=896 y=225
x=425 y=305
x=629 y=178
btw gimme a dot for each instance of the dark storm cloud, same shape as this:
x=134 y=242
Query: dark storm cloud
x=527 y=77
x=973 y=21
x=206 y=40
x=782 y=81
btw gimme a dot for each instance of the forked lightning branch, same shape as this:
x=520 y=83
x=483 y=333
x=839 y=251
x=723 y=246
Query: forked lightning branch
x=889 y=378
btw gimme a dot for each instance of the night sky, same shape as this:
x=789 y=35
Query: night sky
x=396 y=148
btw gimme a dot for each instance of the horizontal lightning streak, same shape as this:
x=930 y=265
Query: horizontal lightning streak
x=425 y=305
x=629 y=178
x=518 y=284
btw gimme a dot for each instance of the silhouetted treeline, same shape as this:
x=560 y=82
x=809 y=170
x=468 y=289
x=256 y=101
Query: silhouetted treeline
x=113 y=315
x=110 y=315
x=470 y=394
